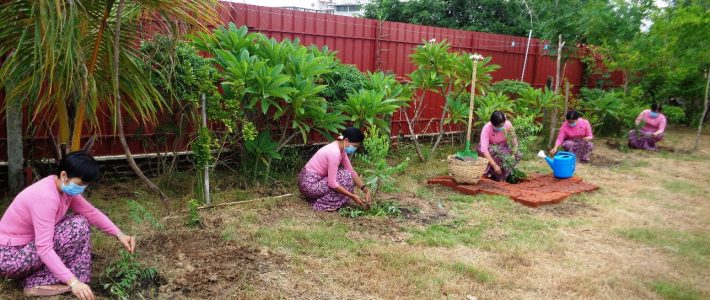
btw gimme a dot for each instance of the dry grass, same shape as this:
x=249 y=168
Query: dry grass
x=644 y=234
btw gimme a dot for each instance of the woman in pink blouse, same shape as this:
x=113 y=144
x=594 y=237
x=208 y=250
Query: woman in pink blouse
x=575 y=136
x=328 y=179
x=654 y=125
x=502 y=156
x=48 y=249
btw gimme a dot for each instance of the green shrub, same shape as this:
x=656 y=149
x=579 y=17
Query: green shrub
x=674 y=114
x=511 y=88
x=344 y=80
x=378 y=172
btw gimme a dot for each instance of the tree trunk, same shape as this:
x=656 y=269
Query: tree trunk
x=705 y=112
x=15 y=160
x=413 y=135
x=119 y=118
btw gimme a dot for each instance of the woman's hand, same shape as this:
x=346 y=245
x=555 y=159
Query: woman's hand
x=553 y=151
x=128 y=241
x=82 y=291
x=587 y=138
x=497 y=169
x=359 y=201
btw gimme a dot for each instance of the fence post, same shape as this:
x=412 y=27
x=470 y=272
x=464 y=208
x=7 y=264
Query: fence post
x=208 y=202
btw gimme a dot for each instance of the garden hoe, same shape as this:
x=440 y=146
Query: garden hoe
x=468 y=154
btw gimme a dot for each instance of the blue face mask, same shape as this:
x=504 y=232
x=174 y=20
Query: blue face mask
x=654 y=114
x=500 y=128
x=350 y=149
x=572 y=124
x=73 y=189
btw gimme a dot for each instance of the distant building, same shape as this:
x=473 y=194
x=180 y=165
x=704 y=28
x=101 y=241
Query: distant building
x=351 y=8
x=329 y=11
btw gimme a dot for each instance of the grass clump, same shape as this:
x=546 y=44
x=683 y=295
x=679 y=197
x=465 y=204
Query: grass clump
x=675 y=291
x=691 y=245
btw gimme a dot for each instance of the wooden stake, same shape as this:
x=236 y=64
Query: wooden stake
x=553 y=119
x=242 y=202
x=705 y=111
x=207 y=168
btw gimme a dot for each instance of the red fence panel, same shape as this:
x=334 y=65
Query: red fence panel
x=369 y=44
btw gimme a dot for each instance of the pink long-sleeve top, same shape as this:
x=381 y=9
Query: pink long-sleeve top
x=582 y=130
x=33 y=214
x=327 y=161
x=489 y=135
x=656 y=125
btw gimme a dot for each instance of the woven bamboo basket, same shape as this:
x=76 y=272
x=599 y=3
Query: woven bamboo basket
x=467 y=171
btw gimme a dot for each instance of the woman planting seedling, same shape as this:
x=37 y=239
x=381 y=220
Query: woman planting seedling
x=575 y=136
x=494 y=146
x=328 y=179
x=48 y=249
x=651 y=132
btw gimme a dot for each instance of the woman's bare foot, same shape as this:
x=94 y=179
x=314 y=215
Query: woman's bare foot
x=47 y=290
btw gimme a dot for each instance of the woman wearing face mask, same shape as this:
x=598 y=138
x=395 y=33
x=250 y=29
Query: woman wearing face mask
x=575 y=136
x=328 y=179
x=494 y=146
x=48 y=249
x=654 y=124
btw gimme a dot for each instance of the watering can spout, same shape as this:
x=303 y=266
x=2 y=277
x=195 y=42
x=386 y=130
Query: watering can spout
x=550 y=162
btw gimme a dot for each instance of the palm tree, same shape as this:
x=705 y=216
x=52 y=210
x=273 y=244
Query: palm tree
x=59 y=58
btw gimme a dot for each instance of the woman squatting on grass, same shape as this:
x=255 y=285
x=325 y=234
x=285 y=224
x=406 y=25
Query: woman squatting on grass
x=46 y=247
x=575 y=136
x=654 y=126
x=328 y=179
x=494 y=146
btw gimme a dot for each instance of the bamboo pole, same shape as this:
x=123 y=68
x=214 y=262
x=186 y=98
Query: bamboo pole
x=207 y=168
x=705 y=111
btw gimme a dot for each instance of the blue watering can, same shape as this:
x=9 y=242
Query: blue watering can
x=562 y=165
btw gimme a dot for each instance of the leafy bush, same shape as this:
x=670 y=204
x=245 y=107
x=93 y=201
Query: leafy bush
x=193 y=214
x=262 y=150
x=378 y=172
x=486 y=105
x=123 y=277
x=369 y=108
x=674 y=114
x=343 y=80
x=510 y=88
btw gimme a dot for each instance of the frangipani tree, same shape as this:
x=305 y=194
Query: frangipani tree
x=448 y=74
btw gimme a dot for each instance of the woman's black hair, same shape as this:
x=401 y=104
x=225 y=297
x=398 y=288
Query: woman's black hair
x=572 y=115
x=353 y=135
x=80 y=164
x=656 y=107
x=497 y=118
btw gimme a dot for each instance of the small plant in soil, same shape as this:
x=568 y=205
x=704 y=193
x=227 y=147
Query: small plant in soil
x=377 y=209
x=124 y=278
x=193 y=218
x=378 y=172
